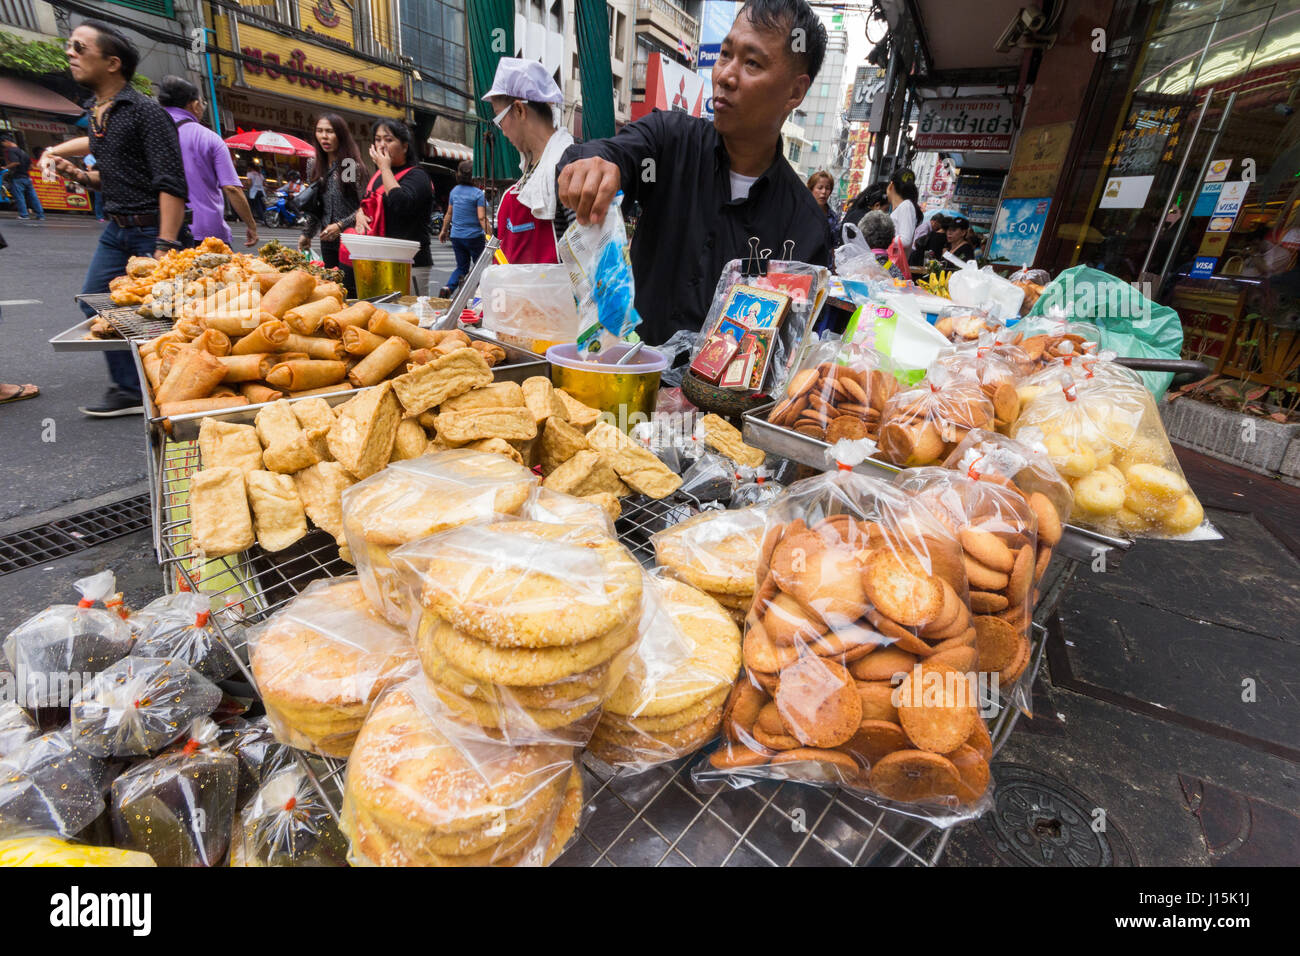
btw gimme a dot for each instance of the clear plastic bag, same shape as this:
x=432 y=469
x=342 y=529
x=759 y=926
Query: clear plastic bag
x=49 y=850
x=179 y=626
x=760 y=490
x=413 y=499
x=669 y=703
x=1104 y=435
x=525 y=626
x=48 y=784
x=717 y=552
x=710 y=478
x=859 y=584
x=139 y=705
x=1031 y=282
x=530 y=306
x=1025 y=469
x=984 y=289
x=996 y=376
x=600 y=270
x=998 y=534
x=837 y=392
x=16 y=727
x=322 y=661
x=421 y=791
x=57 y=653
x=556 y=507
x=260 y=755
x=286 y=823
x=965 y=323
x=922 y=425
x=180 y=806
x=1046 y=339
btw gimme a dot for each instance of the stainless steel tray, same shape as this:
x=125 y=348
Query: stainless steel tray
x=76 y=339
x=1078 y=544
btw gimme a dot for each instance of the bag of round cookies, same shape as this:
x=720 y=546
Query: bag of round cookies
x=861 y=587
x=839 y=391
x=418 y=497
x=923 y=424
x=524 y=627
x=998 y=534
x=322 y=660
x=989 y=457
x=1046 y=339
x=996 y=375
x=669 y=702
x=1104 y=435
x=421 y=791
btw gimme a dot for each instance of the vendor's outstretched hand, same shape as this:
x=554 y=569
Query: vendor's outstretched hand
x=588 y=186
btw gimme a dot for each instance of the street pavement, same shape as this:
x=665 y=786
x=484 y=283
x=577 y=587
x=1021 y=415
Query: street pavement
x=50 y=454
x=1164 y=719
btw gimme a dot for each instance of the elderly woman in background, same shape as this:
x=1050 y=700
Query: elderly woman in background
x=822 y=185
x=878 y=229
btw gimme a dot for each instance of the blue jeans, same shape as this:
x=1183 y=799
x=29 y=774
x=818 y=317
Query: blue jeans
x=467 y=253
x=97 y=203
x=116 y=246
x=24 y=191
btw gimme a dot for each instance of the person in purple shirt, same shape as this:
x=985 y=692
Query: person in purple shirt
x=209 y=169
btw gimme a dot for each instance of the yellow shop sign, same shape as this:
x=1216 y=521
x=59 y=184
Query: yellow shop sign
x=289 y=67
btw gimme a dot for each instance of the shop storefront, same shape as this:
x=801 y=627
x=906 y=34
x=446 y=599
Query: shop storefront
x=37 y=118
x=1187 y=174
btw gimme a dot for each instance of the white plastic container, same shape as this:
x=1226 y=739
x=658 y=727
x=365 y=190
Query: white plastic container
x=530 y=306
x=381 y=265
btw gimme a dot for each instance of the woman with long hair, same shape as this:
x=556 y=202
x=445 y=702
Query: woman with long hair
x=906 y=212
x=399 y=188
x=465 y=223
x=337 y=171
x=822 y=186
x=527 y=103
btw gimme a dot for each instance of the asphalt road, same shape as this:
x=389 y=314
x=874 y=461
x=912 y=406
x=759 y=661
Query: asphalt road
x=51 y=456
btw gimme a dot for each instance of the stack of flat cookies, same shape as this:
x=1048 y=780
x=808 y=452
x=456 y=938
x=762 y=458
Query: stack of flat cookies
x=848 y=602
x=669 y=703
x=419 y=794
x=322 y=661
x=413 y=499
x=525 y=627
x=717 y=552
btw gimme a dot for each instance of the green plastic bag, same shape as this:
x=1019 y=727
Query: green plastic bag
x=1131 y=324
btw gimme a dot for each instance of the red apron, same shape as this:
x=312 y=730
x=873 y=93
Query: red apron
x=523 y=237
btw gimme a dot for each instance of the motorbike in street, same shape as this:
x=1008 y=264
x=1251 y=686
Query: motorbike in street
x=282 y=213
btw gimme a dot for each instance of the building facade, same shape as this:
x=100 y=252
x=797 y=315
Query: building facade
x=823 y=104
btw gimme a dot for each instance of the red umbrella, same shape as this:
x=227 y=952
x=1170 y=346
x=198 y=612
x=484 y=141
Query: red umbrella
x=268 y=142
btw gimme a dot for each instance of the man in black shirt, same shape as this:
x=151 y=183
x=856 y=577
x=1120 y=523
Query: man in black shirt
x=706 y=188
x=138 y=169
x=18 y=165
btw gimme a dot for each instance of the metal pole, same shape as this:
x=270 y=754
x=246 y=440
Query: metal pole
x=212 y=85
x=1182 y=167
x=1205 y=168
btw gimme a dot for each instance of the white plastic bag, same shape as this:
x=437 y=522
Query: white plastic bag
x=984 y=289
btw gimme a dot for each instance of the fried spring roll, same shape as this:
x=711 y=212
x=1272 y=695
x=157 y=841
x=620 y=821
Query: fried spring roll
x=386 y=324
x=324 y=390
x=233 y=324
x=257 y=393
x=214 y=342
x=306 y=374
x=305 y=319
x=293 y=289
x=168 y=409
x=357 y=341
x=248 y=368
x=374 y=367
x=193 y=374
x=326 y=290
x=316 y=347
x=354 y=315
x=270 y=336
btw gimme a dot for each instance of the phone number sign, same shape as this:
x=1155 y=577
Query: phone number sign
x=981 y=124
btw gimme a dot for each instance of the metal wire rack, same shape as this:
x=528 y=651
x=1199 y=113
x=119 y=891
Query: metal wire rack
x=653 y=818
x=128 y=322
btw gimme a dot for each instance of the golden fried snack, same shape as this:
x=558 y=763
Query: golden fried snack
x=220 y=523
x=227 y=445
x=429 y=386
x=362 y=438
x=303 y=374
x=193 y=374
x=305 y=319
x=293 y=289
x=278 y=517
x=379 y=363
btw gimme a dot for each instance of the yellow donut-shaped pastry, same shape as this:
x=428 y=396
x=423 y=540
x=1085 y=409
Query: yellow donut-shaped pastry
x=1157 y=483
x=1130 y=522
x=1186 y=516
x=1099 y=494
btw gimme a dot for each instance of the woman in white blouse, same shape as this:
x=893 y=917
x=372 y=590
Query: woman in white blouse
x=906 y=213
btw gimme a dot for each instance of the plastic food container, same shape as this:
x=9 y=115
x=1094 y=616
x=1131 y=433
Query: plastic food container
x=381 y=265
x=627 y=392
x=530 y=306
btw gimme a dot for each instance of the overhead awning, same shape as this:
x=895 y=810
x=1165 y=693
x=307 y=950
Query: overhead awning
x=26 y=95
x=957 y=40
x=445 y=149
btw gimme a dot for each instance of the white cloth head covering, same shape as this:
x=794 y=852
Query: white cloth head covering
x=524 y=80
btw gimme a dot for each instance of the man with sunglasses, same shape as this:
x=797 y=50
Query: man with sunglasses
x=138 y=169
x=706 y=187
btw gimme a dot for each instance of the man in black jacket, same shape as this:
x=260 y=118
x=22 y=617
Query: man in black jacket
x=706 y=188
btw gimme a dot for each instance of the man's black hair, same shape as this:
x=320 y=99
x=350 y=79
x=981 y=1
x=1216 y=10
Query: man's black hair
x=177 y=91
x=807 y=33
x=113 y=42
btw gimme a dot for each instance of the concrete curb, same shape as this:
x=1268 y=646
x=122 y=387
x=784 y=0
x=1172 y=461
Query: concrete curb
x=1253 y=443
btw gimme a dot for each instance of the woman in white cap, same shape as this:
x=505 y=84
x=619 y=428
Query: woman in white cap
x=528 y=109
